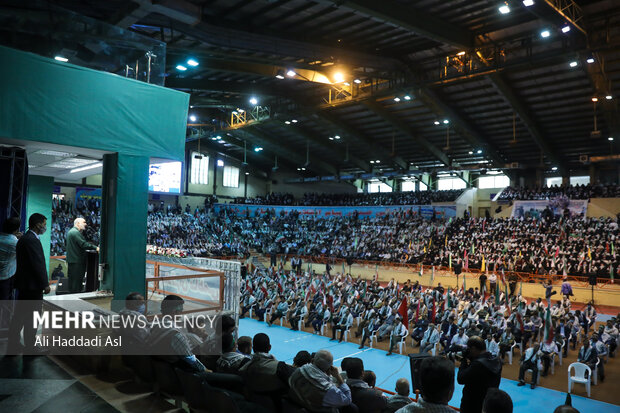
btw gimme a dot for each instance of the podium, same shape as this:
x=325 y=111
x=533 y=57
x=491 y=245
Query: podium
x=92 y=271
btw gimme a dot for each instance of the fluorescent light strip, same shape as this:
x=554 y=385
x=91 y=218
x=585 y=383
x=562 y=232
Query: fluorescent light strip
x=87 y=167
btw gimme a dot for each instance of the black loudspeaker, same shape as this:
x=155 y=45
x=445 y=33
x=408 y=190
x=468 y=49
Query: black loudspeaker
x=62 y=287
x=414 y=364
x=592 y=279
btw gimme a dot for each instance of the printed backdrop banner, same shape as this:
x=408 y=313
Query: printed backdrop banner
x=86 y=194
x=524 y=209
x=426 y=211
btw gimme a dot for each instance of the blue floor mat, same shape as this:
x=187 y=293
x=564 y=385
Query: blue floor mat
x=285 y=344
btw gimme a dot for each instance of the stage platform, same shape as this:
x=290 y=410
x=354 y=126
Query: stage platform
x=286 y=343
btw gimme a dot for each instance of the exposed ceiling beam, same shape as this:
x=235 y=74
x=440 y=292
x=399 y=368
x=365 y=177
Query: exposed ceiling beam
x=415 y=20
x=602 y=87
x=231 y=87
x=259 y=138
x=371 y=146
x=334 y=149
x=407 y=130
x=523 y=113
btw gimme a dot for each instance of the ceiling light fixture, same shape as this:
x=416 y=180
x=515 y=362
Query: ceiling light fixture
x=446 y=121
x=407 y=97
x=377 y=161
x=504 y=9
x=565 y=28
x=590 y=60
x=555 y=168
x=396 y=99
x=372 y=161
x=331 y=139
x=462 y=53
x=247 y=173
x=87 y=167
x=192 y=62
x=253 y=101
x=358 y=81
x=436 y=122
x=338 y=77
x=220 y=162
x=221 y=142
x=337 y=137
x=573 y=64
x=294 y=120
x=609 y=97
x=192 y=118
x=288 y=122
x=471 y=152
x=595 y=99
x=610 y=139
x=290 y=73
x=528 y=3
x=258 y=149
x=61 y=59
x=280 y=74
x=479 y=151
x=545 y=34
x=181 y=68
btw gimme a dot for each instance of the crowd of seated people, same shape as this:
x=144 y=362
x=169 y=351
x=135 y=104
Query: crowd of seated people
x=545 y=245
x=571 y=191
x=356 y=199
x=63 y=215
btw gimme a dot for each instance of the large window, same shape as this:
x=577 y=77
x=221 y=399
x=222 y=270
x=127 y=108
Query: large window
x=557 y=180
x=200 y=169
x=378 y=187
x=408 y=186
x=231 y=177
x=450 y=183
x=493 y=181
x=579 y=180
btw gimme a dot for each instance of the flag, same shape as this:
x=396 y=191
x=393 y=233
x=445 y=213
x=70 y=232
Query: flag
x=613 y=251
x=355 y=242
x=611 y=271
x=432 y=274
x=402 y=311
x=450 y=261
x=557 y=252
x=497 y=294
x=483 y=267
x=548 y=327
x=465 y=261
x=589 y=254
x=446 y=241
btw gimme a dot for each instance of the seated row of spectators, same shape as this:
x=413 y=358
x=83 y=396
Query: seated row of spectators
x=570 y=191
x=356 y=199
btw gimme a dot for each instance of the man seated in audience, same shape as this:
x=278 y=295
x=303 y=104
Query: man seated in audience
x=397 y=334
x=448 y=330
x=548 y=349
x=318 y=386
x=400 y=399
x=172 y=344
x=280 y=310
x=490 y=343
x=418 y=330
x=261 y=372
x=370 y=378
x=367 y=400
x=386 y=327
x=458 y=343
x=343 y=324
x=436 y=385
x=300 y=312
x=249 y=302
x=244 y=346
x=430 y=338
x=530 y=361
x=230 y=361
x=610 y=337
x=601 y=350
x=497 y=401
x=302 y=358
x=371 y=327
x=135 y=335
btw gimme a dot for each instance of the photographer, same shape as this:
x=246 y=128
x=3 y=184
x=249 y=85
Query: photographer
x=479 y=371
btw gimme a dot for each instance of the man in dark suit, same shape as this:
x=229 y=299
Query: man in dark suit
x=367 y=399
x=77 y=246
x=31 y=282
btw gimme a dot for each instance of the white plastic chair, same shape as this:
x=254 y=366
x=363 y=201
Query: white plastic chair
x=346 y=334
x=511 y=352
x=372 y=338
x=537 y=376
x=595 y=374
x=434 y=349
x=300 y=323
x=580 y=376
x=402 y=343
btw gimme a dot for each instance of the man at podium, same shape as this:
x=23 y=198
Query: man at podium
x=76 y=246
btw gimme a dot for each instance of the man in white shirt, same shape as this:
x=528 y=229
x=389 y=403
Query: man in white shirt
x=547 y=350
x=397 y=334
x=529 y=361
x=429 y=339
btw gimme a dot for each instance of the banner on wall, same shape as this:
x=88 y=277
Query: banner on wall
x=526 y=209
x=86 y=194
x=426 y=211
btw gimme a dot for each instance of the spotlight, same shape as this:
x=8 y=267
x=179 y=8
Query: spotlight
x=555 y=168
x=357 y=81
x=407 y=97
x=479 y=151
x=528 y=3
x=192 y=118
x=331 y=139
x=303 y=169
x=573 y=64
x=610 y=139
x=61 y=59
x=258 y=149
x=253 y=101
x=471 y=152
x=594 y=99
x=461 y=53
x=181 y=68
x=504 y=9
x=446 y=121
x=192 y=62
x=377 y=161
x=436 y=122
x=565 y=29
x=338 y=77
x=608 y=97
x=294 y=120
x=372 y=161
x=396 y=99
x=288 y=122
x=590 y=60
x=220 y=162
x=247 y=173
x=545 y=33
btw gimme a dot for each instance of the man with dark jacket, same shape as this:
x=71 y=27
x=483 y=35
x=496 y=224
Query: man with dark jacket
x=367 y=399
x=77 y=246
x=31 y=283
x=479 y=371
